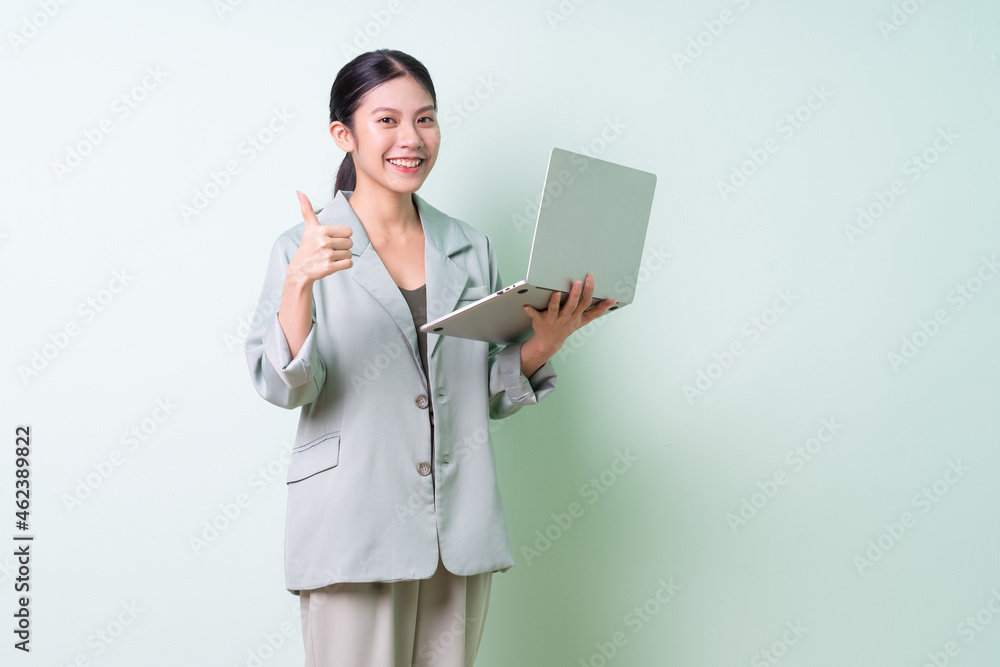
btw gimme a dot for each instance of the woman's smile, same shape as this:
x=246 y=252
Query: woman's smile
x=406 y=165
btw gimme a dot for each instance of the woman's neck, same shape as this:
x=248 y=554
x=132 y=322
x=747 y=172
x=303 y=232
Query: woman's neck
x=386 y=214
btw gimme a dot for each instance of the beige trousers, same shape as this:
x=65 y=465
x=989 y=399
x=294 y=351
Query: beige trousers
x=436 y=622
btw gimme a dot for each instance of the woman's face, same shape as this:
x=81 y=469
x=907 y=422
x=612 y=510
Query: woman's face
x=395 y=125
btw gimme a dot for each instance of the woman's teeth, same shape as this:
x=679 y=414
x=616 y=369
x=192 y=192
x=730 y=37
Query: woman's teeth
x=406 y=163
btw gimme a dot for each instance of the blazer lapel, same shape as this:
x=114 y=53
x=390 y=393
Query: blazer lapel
x=445 y=279
x=368 y=270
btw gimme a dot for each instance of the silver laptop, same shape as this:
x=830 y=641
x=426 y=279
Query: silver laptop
x=592 y=218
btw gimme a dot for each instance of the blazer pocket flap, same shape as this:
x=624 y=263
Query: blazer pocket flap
x=314 y=457
x=474 y=292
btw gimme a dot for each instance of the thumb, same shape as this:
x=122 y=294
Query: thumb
x=307 y=210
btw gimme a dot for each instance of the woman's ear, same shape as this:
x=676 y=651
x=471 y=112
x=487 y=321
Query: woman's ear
x=342 y=136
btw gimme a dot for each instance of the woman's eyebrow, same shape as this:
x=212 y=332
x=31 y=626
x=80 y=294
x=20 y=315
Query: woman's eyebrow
x=376 y=110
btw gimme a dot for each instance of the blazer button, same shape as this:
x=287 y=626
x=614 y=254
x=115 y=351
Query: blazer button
x=424 y=468
x=422 y=401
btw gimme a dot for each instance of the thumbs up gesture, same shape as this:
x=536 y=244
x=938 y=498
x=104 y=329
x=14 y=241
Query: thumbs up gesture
x=323 y=250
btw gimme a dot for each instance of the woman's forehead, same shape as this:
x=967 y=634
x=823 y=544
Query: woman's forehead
x=402 y=94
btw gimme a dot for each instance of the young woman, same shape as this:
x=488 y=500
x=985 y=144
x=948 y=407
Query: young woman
x=394 y=519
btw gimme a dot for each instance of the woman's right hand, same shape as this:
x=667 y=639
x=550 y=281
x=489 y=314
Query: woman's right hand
x=323 y=250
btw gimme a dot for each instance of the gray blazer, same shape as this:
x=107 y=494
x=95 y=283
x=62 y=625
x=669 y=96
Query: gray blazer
x=362 y=504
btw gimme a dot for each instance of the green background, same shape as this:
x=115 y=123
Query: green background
x=689 y=91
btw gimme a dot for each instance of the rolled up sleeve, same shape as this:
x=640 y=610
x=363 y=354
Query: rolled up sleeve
x=294 y=372
x=510 y=390
x=278 y=377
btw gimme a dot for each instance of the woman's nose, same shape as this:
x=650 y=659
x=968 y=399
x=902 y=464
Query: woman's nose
x=408 y=136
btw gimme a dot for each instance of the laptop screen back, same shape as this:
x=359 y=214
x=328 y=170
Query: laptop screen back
x=592 y=219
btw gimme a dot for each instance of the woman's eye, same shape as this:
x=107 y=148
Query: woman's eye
x=424 y=119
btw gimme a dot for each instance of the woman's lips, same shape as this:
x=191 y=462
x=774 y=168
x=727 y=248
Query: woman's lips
x=405 y=163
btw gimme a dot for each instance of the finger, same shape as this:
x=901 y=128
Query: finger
x=574 y=298
x=554 y=299
x=340 y=231
x=342 y=264
x=587 y=296
x=340 y=243
x=340 y=255
x=308 y=216
x=336 y=236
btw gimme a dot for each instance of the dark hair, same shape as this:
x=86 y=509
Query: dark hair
x=355 y=79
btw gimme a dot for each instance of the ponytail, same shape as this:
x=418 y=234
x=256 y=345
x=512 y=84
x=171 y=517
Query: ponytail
x=346 y=176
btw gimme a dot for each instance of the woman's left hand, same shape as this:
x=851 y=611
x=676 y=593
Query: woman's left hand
x=554 y=325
